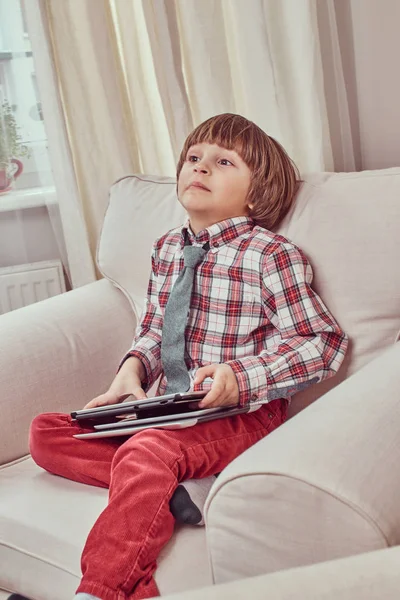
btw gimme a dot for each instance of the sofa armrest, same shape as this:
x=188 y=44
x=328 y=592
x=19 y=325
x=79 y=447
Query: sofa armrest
x=322 y=486
x=58 y=354
x=370 y=576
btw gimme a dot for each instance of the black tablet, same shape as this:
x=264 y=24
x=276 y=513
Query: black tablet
x=126 y=406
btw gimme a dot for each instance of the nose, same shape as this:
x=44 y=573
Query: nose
x=200 y=168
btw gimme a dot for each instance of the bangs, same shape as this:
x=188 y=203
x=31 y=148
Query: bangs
x=232 y=132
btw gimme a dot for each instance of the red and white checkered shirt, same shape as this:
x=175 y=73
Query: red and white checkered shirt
x=252 y=308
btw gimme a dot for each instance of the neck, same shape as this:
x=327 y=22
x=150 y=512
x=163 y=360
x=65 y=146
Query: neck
x=197 y=224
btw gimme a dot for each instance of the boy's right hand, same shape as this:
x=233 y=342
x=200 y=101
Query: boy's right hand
x=126 y=382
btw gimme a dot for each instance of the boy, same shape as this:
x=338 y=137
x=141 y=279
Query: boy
x=255 y=329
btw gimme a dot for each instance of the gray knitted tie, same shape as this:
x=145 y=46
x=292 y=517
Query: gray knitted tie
x=175 y=319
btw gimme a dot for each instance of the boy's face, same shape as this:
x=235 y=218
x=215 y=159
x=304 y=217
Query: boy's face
x=226 y=178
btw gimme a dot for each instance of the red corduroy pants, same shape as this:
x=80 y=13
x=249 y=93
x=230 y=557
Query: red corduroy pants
x=141 y=472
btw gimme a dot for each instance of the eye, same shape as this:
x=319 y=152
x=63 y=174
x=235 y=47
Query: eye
x=226 y=160
x=192 y=156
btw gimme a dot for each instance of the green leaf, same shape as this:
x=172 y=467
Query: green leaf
x=11 y=145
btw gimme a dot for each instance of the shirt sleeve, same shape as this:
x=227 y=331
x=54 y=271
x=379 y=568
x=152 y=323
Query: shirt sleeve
x=146 y=345
x=309 y=345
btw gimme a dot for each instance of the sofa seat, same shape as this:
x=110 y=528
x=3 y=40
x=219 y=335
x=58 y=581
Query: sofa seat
x=44 y=521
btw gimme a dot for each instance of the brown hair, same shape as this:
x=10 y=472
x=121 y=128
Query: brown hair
x=275 y=177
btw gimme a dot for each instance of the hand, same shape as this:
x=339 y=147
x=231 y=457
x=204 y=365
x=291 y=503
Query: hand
x=126 y=382
x=113 y=396
x=224 y=390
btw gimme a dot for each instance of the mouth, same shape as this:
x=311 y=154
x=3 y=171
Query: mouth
x=199 y=186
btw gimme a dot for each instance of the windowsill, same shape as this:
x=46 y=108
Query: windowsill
x=29 y=198
x=9 y=55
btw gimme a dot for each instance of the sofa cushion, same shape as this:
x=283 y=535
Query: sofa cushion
x=44 y=521
x=346 y=223
x=141 y=208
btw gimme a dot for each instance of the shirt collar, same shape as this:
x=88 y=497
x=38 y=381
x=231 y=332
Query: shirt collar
x=220 y=233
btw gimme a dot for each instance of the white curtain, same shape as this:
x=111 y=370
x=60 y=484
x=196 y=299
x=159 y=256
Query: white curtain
x=336 y=95
x=67 y=214
x=186 y=61
x=136 y=76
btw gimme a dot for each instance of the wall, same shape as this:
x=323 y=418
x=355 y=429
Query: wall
x=370 y=46
x=26 y=236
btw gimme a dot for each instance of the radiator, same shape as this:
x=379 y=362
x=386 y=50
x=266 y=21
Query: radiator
x=30 y=283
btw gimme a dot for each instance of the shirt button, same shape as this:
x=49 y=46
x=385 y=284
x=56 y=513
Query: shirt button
x=216 y=245
x=254 y=397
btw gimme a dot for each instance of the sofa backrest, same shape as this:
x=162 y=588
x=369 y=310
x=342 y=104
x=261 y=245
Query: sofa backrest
x=140 y=209
x=348 y=224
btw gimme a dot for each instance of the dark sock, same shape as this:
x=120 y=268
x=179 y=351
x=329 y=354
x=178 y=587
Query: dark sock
x=187 y=502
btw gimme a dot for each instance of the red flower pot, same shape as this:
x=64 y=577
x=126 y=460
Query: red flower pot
x=6 y=179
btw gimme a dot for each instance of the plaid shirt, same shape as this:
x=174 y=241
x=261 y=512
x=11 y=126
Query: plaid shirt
x=252 y=308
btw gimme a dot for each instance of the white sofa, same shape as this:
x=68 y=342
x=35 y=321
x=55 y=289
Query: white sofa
x=324 y=486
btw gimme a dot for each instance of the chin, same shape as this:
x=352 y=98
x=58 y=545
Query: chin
x=192 y=203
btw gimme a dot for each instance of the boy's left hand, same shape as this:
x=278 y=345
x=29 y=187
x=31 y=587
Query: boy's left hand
x=224 y=390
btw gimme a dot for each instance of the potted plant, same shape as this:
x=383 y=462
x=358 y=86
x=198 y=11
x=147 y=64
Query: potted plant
x=11 y=147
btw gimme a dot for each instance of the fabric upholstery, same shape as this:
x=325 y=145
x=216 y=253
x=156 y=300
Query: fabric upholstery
x=323 y=486
x=371 y=576
x=44 y=521
x=348 y=224
x=141 y=208
x=57 y=355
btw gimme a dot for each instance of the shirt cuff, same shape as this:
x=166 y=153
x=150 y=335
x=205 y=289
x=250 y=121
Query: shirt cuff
x=257 y=384
x=249 y=389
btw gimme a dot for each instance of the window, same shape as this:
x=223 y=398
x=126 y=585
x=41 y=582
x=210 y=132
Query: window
x=33 y=257
x=23 y=133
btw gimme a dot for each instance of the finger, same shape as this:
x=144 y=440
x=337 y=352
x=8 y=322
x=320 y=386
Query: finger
x=225 y=401
x=214 y=396
x=203 y=373
x=103 y=400
x=139 y=393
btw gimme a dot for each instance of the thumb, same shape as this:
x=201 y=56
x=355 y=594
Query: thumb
x=109 y=397
x=204 y=372
x=139 y=393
